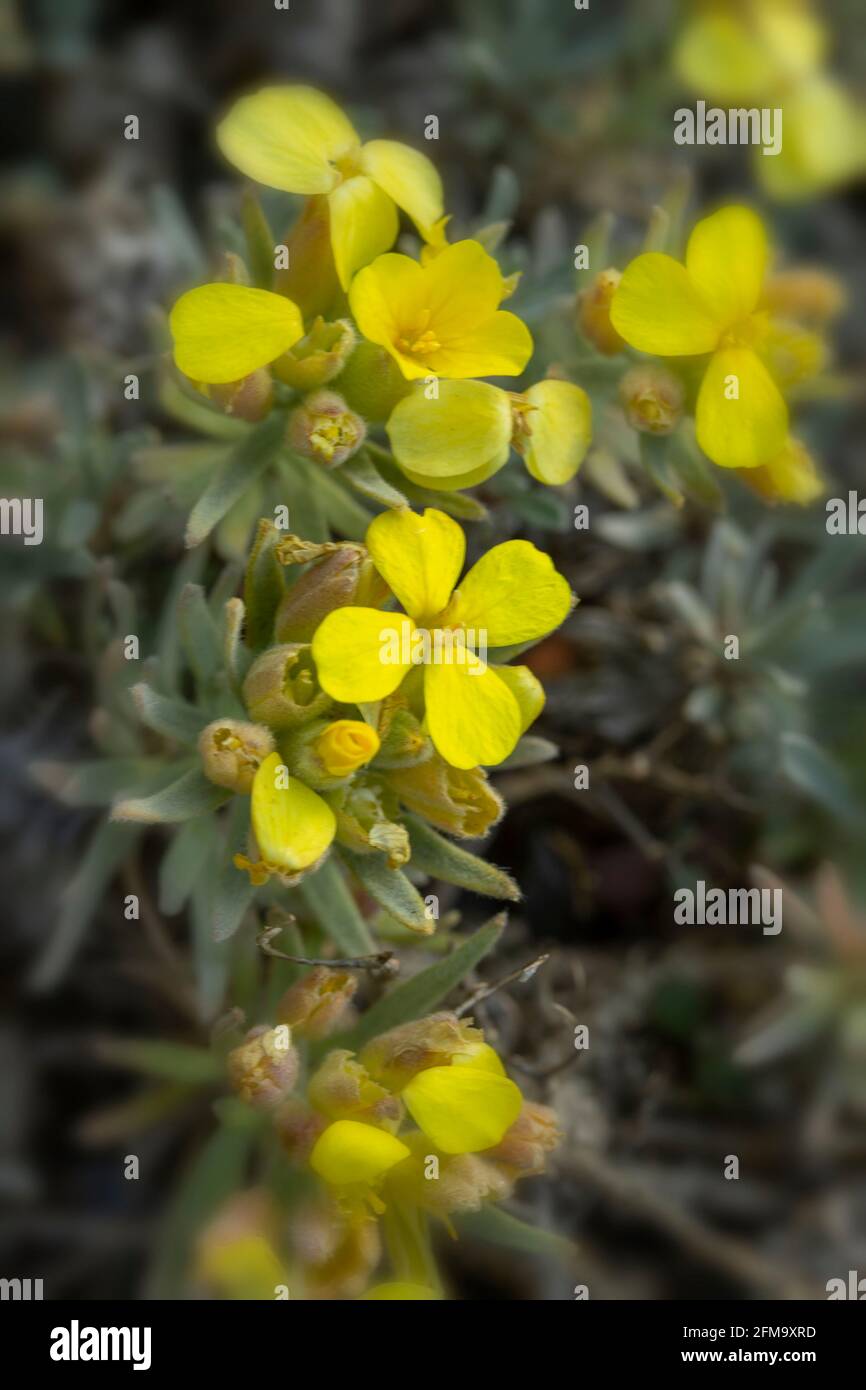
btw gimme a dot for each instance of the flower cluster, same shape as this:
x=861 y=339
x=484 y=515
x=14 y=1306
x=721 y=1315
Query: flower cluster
x=359 y=713
x=422 y=1122
x=395 y=340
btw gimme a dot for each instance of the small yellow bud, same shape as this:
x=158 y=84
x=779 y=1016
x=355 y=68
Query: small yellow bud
x=264 y=1068
x=343 y=1090
x=346 y=745
x=281 y=689
x=593 y=313
x=318 y=357
x=324 y=429
x=232 y=750
x=652 y=398
x=315 y=1004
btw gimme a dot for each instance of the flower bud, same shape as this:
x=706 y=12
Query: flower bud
x=593 y=313
x=310 y=279
x=342 y=1089
x=281 y=688
x=395 y=1057
x=324 y=429
x=372 y=383
x=264 y=1069
x=325 y=753
x=523 y=1149
x=461 y=802
x=298 y=1126
x=341 y=579
x=444 y=1184
x=804 y=293
x=338 y=1255
x=652 y=398
x=315 y=1004
x=364 y=825
x=403 y=741
x=318 y=357
x=231 y=751
x=249 y=399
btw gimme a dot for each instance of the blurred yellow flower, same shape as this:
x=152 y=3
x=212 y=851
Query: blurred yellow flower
x=462 y=1108
x=353 y=1158
x=475 y=712
x=710 y=306
x=790 y=477
x=464 y=434
x=222 y=332
x=295 y=138
x=441 y=318
x=401 y=1291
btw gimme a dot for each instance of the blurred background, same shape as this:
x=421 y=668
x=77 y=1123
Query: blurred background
x=704 y=1042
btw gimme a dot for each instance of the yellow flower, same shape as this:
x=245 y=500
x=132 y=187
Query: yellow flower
x=223 y=333
x=297 y=139
x=463 y=1108
x=791 y=477
x=293 y=825
x=353 y=1158
x=464 y=435
x=403 y=1291
x=442 y=318
x=346 y=745
x=710 y=305
x=475 y=712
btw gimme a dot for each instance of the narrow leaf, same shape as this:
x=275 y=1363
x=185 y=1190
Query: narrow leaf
x=199 y=634
x=361 y=473
x=247 y=460
x=327 y=896
x=390 y=888
x=264 y=586
x=166 y=715
x=433 y=854
x=191 y=795
x=499 y=1227
x=183 y=862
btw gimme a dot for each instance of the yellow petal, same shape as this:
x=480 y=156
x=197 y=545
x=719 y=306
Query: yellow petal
x=455 y=481
x=514 y=594
x=358 y=653
x=657 y=308
x=293 y=826
x=223 y=332
x=384 y=296
x=527 y=691
x=749 y=429
x=408 y=177
x=419 y=557
x=462 y=1109
x=499 y=346
x=715 y=53
x=363 y=225
x=472 y=716
x=467 y=426
x=349 y=1153
x=726 y=259
x=560 y=430
x=463 y=287
x=824 y=144
x=287 y=137
x=791 y=477
x=482 y=1058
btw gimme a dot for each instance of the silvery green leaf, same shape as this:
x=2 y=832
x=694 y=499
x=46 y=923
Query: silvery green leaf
x=439 y=857
x=255 y=450
x=327 y=896
x=390 y=888
x=167 y=715
x=191 y=795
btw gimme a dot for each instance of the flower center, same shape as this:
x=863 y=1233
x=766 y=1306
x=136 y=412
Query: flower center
x=419 y=339
x=349 y=164
x=521 y=428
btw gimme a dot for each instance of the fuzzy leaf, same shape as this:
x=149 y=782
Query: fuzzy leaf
x=166 y=715
x=361 y=473
x=166 y=1060
x=390 y=888
x=264 y=586
x=499 y=1227
x=433 y=854
x=531 y=750
x=191 y=795
x=327 y=896
x=199 y=634
x=426 y=990
x=232 y=896
x=183 y=862
x=246 y=461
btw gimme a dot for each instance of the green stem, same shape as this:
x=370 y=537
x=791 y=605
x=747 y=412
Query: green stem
x=407 y=1237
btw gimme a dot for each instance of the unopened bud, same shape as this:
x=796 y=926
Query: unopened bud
x=298 y=1126
x=461 y=802
x=524 y=1147
x=310 y=278
x=249 y=399
x=652 y=398
x=458 y=1183
x=343 y=1089
x=364 y=825
x=325 y=753
x=318 y=357
x=403 y=741
x=231 y=752
x=264 y=1069
x=395 y=1057
x=593 y=313
x=372 y=383
x=344 y=578
x=281 y=688
x=315 y=1004
x=324 y=429
x=805 y=294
